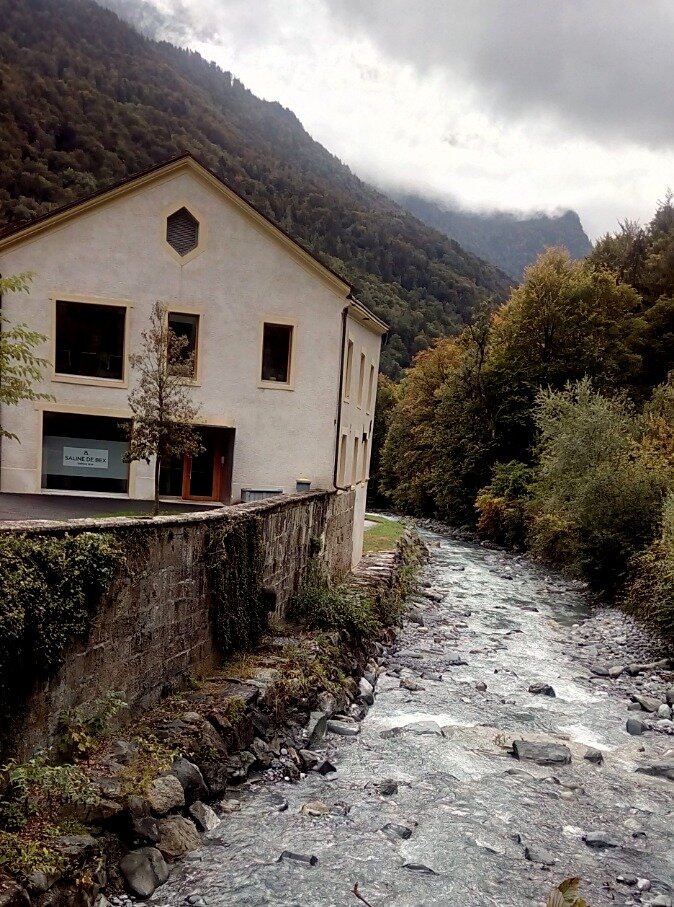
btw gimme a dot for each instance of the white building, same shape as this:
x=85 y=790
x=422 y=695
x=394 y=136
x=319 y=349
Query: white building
x=286 y=359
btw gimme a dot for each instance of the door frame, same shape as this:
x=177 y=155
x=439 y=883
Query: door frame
x=217 y=472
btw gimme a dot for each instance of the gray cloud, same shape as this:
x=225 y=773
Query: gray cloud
x=604 y=67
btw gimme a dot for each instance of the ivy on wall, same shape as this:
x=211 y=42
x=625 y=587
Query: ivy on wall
x=235 y=564
x=50 y=587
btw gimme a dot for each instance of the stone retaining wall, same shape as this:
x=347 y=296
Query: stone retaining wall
x=154 y=626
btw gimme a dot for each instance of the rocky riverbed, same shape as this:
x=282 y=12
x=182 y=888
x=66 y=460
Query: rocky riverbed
x=430 y=802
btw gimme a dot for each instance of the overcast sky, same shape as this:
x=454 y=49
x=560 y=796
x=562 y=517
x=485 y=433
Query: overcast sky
x=509 y=104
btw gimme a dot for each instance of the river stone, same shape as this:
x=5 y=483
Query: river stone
x=39 y=881
x=393 y=830
x=670 y=696
x=415 y=727
x=662 y=769
x=204 y=816
x=191 y=779
x=454 y=660
x=541 y=689
x=316 y=728
x=178 y=837
x=145 y=828
x=300 y=857
x=315 y=808
x=481 y=686
x=601 y=669
x=144 y=870
x=344 y=728
x=647 y=703
x=387 y=788
x=599 y=840
x=542 y=753
x=616 y=671
x=634 y=707
x=660 y=900
x=635 y=727
x=327 y=703
x=13 y=895
x=231 y=805
x=593 y=755
x=310 y=759
x=539 y=856
x=419 y=867
x=164 y=794
x=664 y=711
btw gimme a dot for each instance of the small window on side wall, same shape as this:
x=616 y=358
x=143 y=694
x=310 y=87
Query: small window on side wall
x=277 y=345
x=186 y=327
x=182 y=231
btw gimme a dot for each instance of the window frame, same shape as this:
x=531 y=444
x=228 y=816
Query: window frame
x=195 y=380
x=284 y=321
x=92 y=381
x=348 y=368
x=370 y=389
x=361 y=378
x=202 y=239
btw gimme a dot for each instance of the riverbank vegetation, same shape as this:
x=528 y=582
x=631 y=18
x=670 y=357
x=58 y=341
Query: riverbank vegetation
x=548 y=423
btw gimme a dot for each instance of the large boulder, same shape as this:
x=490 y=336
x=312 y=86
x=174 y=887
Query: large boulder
x=204 y=816
x=164 y=794
x=178 y=836
x=542 y=753
x=13 y=895
x=191 y=780
x=662 y=769
x=144 y=871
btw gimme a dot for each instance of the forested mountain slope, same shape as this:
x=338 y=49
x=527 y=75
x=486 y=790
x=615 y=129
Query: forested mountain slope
x=507 y=240
x=85 y=101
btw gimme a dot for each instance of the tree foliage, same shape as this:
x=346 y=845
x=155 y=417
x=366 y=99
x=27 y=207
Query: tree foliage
x=20 y=368
x=161 y=403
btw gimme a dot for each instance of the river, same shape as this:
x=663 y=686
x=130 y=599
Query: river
x=484 y=828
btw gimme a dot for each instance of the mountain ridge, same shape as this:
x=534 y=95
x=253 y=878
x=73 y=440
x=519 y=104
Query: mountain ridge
x=509 y=240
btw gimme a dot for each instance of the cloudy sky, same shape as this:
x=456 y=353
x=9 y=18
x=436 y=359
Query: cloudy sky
x=510 y=104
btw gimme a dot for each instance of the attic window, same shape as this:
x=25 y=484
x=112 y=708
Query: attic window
x=182 y=231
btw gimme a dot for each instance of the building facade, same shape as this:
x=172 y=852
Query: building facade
x=285 y=358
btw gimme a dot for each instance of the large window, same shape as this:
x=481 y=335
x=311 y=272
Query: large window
x=90 y=340
x=277 y=343
x=84 y=453
x=187 y=326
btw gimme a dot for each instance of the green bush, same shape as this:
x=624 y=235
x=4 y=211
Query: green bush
x=650 y=593
x=324 y=607
x=502 y=505
x=595 y=496
x=49 y=590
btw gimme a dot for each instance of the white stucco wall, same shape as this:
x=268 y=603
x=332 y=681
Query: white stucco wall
x=240 y=277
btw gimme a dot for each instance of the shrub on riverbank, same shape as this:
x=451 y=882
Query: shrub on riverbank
x=650 y=594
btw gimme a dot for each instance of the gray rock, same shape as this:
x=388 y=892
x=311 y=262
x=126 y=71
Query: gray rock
x=144 y=871
x=541 y=689
x=13 y=895
x=325 y=767
x=537 y=855
x=664 y=712
x=178 y=836
x=344 y=728
x=164 y=794
x=616 y=671
x=481 y=686
x=311 y=860
x=408 y=684
x=599 y=840
x=415 y=727
x=316 y=728
x=419 y=867
x=145 y=827
x=542 y=753
x=415 y=616
x=643 y=884
x=230 y=805
x=670 y=696
x=660 y=900
x=647 y=703
x=635 y=727
x=39 y=881
x=204 y=816
x=661 y=769
x=310 y=759
x=454 y=660
x=123 y=752
x=327 y=703
x=394 y=831
x=600 y=669
x=191 y=779
x=365 y=687
x=593 y=755
x=263 y=753
x=387 y=788
x=75 y=845
x=634 y=707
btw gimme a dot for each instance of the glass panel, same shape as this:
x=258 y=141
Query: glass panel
x=90 y=340
x=186 y=326
x=84 y=453
x=276 y=346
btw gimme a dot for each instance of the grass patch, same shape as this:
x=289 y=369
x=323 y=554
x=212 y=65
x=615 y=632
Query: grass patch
x=382 y=537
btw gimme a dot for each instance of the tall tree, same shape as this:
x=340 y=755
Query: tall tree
x=163 y=411
x=20 y=368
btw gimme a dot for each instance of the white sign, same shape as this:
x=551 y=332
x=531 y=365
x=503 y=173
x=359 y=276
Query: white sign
x=85 y=458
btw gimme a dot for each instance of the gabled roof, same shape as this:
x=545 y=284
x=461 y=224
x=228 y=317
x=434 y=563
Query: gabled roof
x=186 y=161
